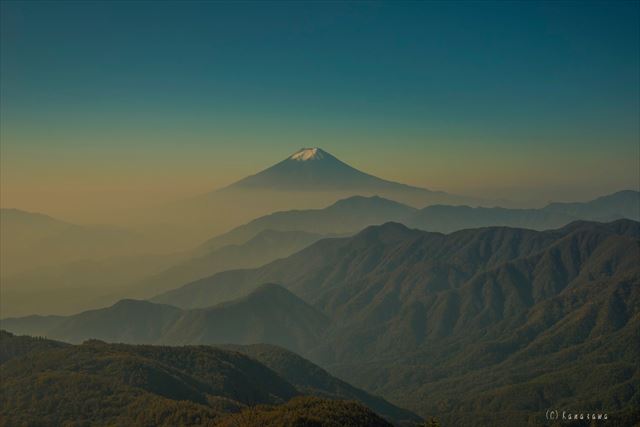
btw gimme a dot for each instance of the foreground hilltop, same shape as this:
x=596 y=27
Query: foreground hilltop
x=99 y=383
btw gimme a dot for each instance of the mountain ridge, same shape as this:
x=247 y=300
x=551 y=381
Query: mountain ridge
x=351 y=214
x=269 y=314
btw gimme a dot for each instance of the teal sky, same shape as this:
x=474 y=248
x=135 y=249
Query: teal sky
x=529 y=100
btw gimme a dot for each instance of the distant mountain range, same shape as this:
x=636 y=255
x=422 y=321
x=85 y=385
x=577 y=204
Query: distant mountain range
x=479 y=326
x=445 y=219
x=351 y=215
x=101 y=279
x=116 y=384
x=342 y=217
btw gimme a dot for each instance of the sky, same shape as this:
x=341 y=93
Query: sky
x=105 y=103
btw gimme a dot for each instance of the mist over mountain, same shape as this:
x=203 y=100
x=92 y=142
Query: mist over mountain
x=310 y=178
x=409 y=314
x=446 y=219
x=269 y=314
x=72 y=287
x=53 y=267
x=33 y=240
x=319 y=213
x=205 y=260
x=345 y=216
x=622 y=204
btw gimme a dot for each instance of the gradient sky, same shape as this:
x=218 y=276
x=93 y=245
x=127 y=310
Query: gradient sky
x=105 y=102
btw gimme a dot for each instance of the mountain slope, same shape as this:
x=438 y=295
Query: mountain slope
x=332 y=262
x=303 y=411
x=140 y=385
x=419 y=316
x=313 y=380
x=132 y=385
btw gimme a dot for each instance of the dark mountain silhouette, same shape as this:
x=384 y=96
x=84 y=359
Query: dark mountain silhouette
x=420 y=316
x=12 y=346
x=159 y=385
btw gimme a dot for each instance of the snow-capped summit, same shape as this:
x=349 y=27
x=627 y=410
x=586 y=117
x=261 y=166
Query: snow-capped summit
x=313 y=169
x=305 y=154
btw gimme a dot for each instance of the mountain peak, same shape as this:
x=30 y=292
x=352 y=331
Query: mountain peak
x=313 y=169
x=305 y=154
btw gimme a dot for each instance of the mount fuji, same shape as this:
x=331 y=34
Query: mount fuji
x=313 y=169
x=310 y=178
